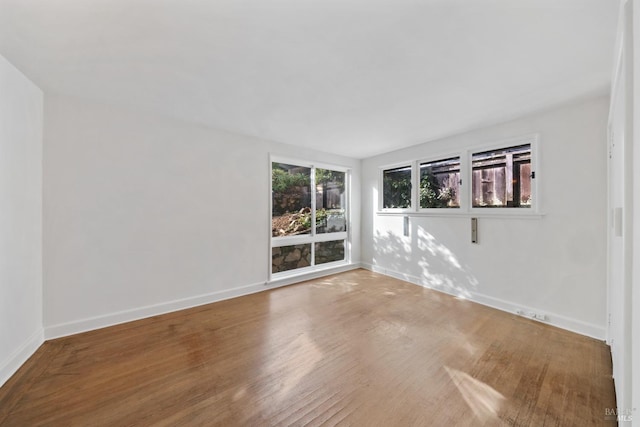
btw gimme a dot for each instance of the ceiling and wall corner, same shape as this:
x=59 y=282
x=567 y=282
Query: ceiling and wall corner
x=355 y=78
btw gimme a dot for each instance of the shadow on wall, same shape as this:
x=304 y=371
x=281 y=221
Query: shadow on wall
x=423 y=259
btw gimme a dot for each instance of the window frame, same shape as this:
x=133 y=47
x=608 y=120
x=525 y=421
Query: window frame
x=312 y=238
x=463 y=187
x=412 y=166
x=534 y=209
x=466 y=208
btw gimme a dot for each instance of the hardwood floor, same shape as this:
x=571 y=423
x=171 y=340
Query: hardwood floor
x=356 y=348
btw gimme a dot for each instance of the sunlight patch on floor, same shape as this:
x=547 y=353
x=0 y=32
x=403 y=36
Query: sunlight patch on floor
x=335 y=282
x=484 y=401
x=286 y=363
x=242 y=392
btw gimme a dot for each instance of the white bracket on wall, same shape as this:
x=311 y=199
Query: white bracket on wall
x=474 y=230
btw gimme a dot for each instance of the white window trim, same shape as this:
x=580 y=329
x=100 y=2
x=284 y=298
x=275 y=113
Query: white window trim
x=466 y=208
x=313 y=237
x=301 y=239
x=414 y=193
x=533 y=140
x=463 y=186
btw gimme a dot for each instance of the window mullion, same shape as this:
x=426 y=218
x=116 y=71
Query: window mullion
x=416 y=186
x=314 y=190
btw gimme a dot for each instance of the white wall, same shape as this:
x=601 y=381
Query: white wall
x=621 y=200
x=624 y=248
x=635 y=303
x=555 y=264
x=632 y=53
x=20 y=219
x=144 y=214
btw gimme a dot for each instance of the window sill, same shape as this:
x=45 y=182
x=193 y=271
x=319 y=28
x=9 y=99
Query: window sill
x=466 y=214
x=307 y=273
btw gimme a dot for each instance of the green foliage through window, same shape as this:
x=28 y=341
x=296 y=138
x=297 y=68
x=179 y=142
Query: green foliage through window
x=292 y=195
x=283 y=181
x=299 y=195
x=440 y=184
x=291 y=188
x=396 y=187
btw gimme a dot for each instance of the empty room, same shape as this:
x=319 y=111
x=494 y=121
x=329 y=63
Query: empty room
x=292 y=213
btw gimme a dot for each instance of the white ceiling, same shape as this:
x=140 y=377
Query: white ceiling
x=352 y=77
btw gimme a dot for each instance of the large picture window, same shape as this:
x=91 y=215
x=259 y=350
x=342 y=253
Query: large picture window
x=502 y=178
x=309 y=216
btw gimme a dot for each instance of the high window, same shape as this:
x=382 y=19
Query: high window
x=502 y=178
x=396 y=188
x=497 y=179
x=440 y=183
x=309 y=216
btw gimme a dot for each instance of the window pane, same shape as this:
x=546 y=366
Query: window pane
x=290 y=257
x=330 y=201
x=291 y=200
x=329 y=251
x=396 y=187
x=502 y=178
x=440 y=184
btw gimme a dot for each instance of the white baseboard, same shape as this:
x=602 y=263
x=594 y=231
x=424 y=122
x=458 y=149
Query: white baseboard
x=11 y=365
x=558 y=320
x=111 y=319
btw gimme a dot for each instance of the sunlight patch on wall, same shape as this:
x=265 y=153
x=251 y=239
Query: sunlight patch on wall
x=441 y=268
x=393 y=249
x=427 y=242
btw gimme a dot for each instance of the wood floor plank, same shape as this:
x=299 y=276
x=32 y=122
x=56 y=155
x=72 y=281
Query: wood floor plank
x=356 y=348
